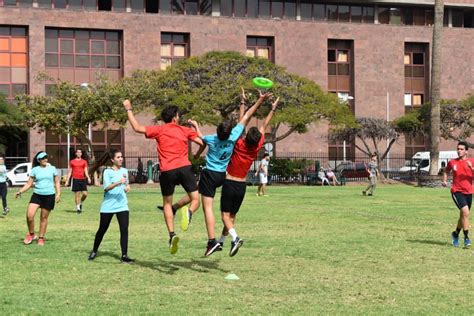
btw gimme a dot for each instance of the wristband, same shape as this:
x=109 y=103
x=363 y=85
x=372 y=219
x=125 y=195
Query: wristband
x=128 y=110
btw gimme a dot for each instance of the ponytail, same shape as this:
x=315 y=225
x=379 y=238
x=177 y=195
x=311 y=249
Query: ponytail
x=104 y=160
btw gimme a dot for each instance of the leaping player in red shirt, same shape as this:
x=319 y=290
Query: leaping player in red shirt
x=175 y=167
x=461 y=190
x=233 y=189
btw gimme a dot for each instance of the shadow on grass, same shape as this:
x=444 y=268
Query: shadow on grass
x=170 y=267
x=429 y=242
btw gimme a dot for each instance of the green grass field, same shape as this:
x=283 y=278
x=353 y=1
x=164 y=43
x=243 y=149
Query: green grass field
x=307 y=250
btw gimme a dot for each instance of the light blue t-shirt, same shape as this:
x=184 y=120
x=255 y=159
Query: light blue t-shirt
x=115 y=200
x=219 y=152
x=3 y=174
x=44 y=179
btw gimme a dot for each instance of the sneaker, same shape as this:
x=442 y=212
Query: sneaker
x=455 y=239
x=126 y=259
x=92 y=255
x=467 y=243
x=29 y=238
x=173 y=243
x=363 y=193
x=6 y=210
x=186 y=216
x=370 y=194
x=40 y=241
x=235 y=246
x=221 y=246
x=212 y=247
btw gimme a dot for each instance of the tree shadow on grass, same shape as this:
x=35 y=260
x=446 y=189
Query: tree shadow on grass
x=429 y=242
x=170 y=267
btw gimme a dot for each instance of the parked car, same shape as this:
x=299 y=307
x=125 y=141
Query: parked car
x=19 y=174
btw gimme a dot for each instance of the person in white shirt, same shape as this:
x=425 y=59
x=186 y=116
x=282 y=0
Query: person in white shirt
x=262 y=173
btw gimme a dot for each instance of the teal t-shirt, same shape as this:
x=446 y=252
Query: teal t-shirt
x=3 y=174
x=44 y=179
x=219 y=152
x=115 y=200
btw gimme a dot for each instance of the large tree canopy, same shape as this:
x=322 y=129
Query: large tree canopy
x=207 y=88
x=11 y=123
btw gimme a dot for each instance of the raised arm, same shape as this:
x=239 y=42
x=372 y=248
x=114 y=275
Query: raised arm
x=245 y=119
x=263 y=128
x=131 y=118
x=243 y=101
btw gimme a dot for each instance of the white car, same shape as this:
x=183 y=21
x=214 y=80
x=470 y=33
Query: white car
x=19 y=174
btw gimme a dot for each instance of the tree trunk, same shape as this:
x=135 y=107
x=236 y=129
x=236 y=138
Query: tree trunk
x=90 y=149
x=436 y=86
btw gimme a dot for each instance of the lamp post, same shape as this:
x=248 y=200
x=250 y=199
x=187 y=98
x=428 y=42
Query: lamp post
x=85 y=85
x=346 y=99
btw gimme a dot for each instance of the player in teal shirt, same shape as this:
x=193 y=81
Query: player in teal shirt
x=3 y=185
x=46 y=193
x=221 y=146
x=115 y=183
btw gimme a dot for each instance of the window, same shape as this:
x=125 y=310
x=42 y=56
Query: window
x=261 y=47
x=174 y=47
x=259 y=8
x=13 y=61
x=83 y=55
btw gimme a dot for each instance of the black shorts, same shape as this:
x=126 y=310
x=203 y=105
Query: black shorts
x=184 y=176
x=461 y=199
x=44 y=201
x=79 y=185
x=233 y=193
x=210 y=181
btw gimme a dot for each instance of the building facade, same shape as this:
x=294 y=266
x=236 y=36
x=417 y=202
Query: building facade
x=374 y=54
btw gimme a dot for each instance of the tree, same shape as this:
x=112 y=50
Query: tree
x=10 y=123
x=70 y=109
x=457 y=120
x=436 y=87
x=207 y=88
x=371 y=132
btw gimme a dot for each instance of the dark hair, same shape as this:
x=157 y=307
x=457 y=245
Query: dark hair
x=35 y=162
x=266 y=155
x=253 y=137
x=75 y=151
x=168 y=113
x=224 y=129
x=374 y=155
x=463 y=143
x=104 y=160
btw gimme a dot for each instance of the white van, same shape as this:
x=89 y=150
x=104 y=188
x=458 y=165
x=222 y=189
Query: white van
x=421 y=161
x=19 y=174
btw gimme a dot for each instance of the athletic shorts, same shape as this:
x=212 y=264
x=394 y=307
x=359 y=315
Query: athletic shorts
x=183 y=176
x=79 y=185
x=233 y=193
x=210 y=180
x=263 y=178
x=44 y=201
x=461 y=199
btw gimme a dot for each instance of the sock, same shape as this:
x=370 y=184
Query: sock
x=172 y=234
x=78 y=206
x=233 y=233
x=190 y=214
x=466 y=234
x=222 y=239
x=211 y=241
x=40 y=237
x=32 y=234
x=457 y=231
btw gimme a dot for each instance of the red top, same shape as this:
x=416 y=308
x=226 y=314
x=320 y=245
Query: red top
x=462 y=175
x=242 y=158
x=171 y=144
x=78 y=166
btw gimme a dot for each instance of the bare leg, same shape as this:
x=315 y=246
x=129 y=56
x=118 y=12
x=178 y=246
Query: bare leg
x=168 y=212
x=228 y=219
x=194 y=198
x=30 y=217
x=464 y=218
x=84 y=196
x=209 y=216
x=43 y=222
x=77 y=197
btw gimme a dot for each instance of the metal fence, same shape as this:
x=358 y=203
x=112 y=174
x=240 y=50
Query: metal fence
x=289 y=168
x=11 y=162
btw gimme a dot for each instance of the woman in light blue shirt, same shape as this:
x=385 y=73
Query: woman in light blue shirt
x=115 y=183
x=46 y=193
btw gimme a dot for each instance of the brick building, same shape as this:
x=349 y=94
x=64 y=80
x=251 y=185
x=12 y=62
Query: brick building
x=377 y=52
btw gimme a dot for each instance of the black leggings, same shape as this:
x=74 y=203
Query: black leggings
x=3 y=192
x=105 y=219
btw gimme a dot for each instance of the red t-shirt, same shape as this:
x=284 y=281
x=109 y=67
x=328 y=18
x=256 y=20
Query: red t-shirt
x=171 y=144
x=242 y=158
x=462 y=175
x=78 y=166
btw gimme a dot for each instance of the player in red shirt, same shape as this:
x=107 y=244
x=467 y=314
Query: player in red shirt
x=175 y=167
x=461 y=190
x=78 y=172
x=233 y=189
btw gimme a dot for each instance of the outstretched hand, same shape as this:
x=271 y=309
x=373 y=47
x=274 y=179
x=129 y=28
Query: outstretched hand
x=275 y=104
x=127 y=105
x=243 y=96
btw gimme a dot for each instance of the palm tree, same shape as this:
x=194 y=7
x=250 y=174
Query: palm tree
x=436 y=86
